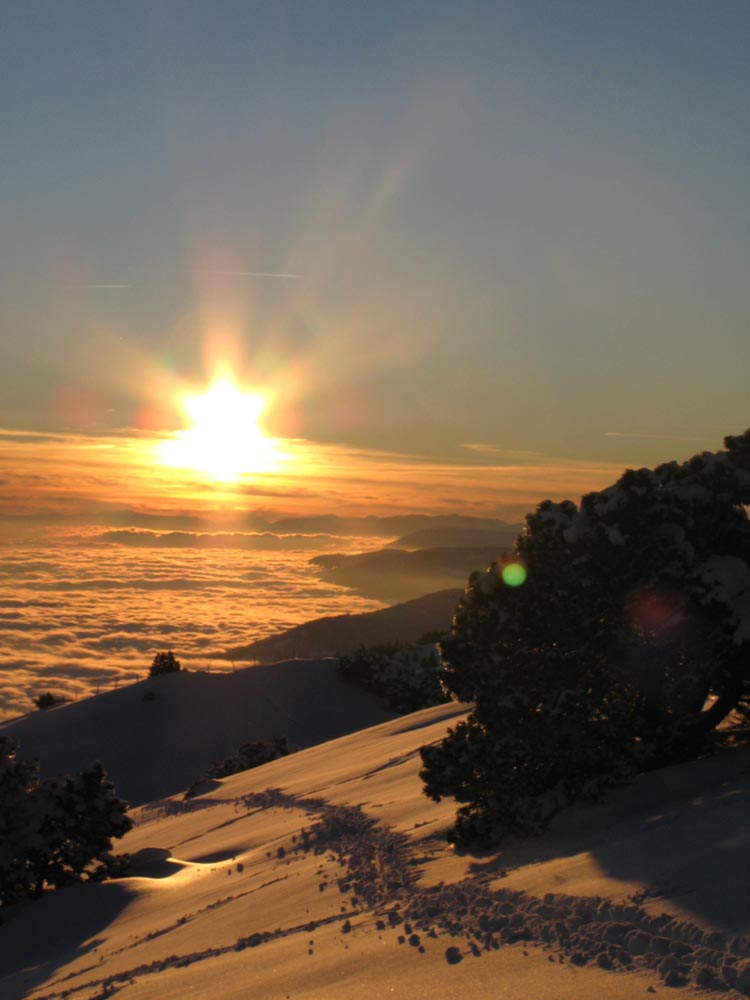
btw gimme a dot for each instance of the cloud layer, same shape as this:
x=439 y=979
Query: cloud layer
x=79 y=615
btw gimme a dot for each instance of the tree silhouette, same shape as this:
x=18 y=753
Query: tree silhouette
x=164 y=663
x=55 y=832
x=622 y=647
x=48 y=700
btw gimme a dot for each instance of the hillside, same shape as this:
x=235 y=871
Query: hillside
x=156 y=748
x=337 y=634
x=327 y=875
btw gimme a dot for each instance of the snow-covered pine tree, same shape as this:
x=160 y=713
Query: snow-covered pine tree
x=624 y=648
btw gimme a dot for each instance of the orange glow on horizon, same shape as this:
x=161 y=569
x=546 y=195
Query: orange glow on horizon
x=53 y=473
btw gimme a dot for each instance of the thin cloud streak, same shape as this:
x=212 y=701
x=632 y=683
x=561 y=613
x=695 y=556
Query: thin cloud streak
x=652 y=437
x=517 y=454
x=79 y=287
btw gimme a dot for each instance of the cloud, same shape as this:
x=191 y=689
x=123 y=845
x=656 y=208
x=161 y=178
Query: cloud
x=29 y=437
x=290 y=492
x=652 y=437
x=17 y=625
x=512 y=455
x=196 y=600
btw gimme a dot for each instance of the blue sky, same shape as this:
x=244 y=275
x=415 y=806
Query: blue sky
x=521 y=225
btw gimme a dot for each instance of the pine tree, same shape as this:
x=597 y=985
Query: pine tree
x=164 y=663
x=56 y=832
x=623 y=649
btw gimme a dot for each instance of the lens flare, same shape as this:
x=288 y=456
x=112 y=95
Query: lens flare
x=656 y=614
x=513 y=574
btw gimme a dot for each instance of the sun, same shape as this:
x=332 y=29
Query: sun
x=224 y=439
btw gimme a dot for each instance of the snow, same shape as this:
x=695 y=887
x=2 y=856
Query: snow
x=327 y=874
x=726 y=576
x=611 y=499
x=727 y=581
x=692 y=492
x=615 y=535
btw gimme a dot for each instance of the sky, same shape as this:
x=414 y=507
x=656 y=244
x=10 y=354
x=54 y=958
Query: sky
x=466 y=254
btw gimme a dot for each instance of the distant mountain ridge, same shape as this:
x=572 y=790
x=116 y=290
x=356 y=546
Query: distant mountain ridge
x=459 y=538
x=394 y=525
x=372 y=525
x=395 y=575
x=258 y=541
x=339 y=634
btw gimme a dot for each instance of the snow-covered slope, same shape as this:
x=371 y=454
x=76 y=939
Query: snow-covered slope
x=327 y=875
x=156 y=746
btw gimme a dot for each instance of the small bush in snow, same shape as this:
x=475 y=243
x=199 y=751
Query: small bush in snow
x=48 y=700
x=248 y=756
x=408 y=676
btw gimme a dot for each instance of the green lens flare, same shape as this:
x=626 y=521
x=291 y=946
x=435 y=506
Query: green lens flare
x=513 y=574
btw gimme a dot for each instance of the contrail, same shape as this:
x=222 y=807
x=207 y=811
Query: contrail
x=97 y=286
x=261 y=274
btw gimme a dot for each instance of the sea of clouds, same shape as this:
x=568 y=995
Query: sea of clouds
x=83 y=611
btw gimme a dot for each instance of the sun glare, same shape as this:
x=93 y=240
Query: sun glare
x=225 y=439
